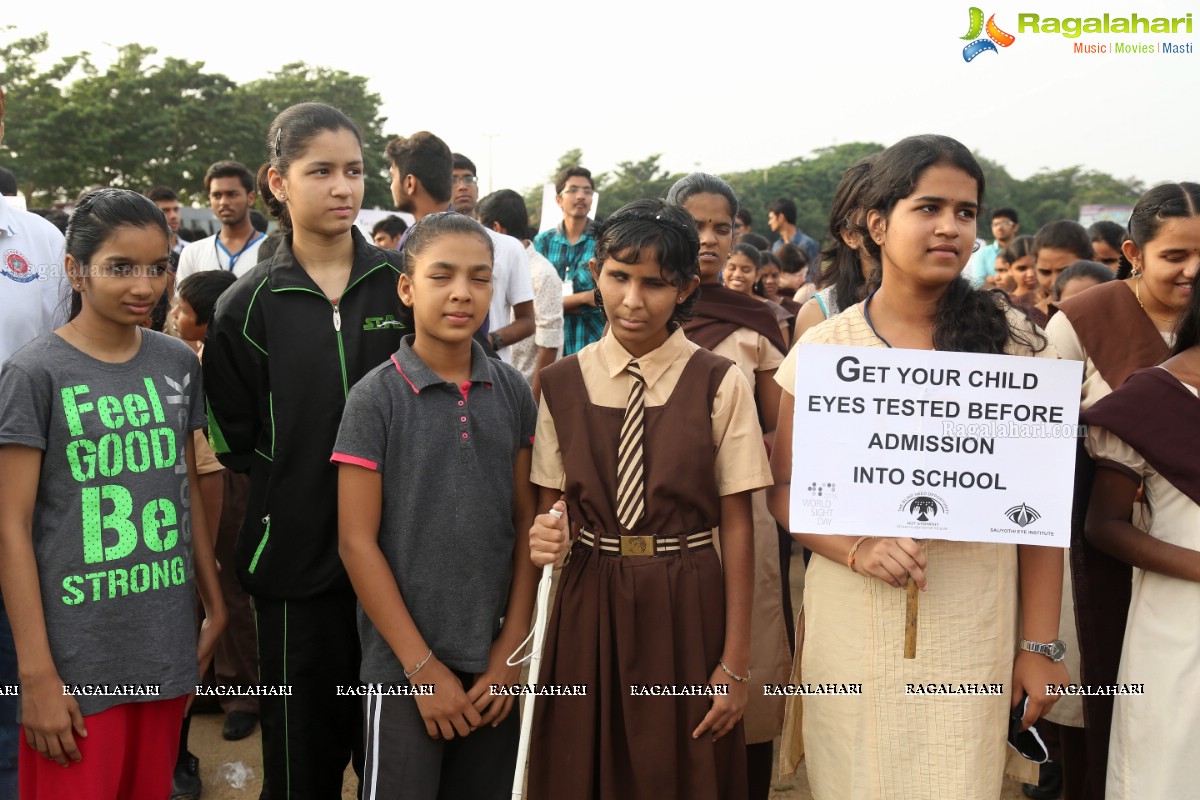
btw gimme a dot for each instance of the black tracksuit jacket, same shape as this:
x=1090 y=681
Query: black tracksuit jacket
x=279 y=359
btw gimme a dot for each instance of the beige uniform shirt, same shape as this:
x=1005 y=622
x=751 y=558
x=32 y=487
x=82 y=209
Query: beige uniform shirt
x=741 y=458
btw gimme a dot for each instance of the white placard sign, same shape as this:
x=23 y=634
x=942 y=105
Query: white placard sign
x=934 y=445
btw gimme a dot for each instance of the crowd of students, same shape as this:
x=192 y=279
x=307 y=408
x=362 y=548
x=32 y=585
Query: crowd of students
x=400 y=481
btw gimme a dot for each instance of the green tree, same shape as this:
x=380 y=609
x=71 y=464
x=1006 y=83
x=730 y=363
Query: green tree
x=140 y=123
x=1050 y=195
x=33 y=100
x=633 y=180
x=808 y=182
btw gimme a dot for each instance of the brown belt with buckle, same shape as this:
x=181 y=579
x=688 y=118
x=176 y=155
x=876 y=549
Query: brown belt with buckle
x=643 y=545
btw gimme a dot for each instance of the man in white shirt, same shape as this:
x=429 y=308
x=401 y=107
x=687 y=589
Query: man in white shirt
x=421 y=167
x=505 y=212
x=34 y=293
x=230 y=188
x=34 y=300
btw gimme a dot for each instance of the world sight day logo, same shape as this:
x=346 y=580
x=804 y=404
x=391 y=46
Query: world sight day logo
x=983 y=44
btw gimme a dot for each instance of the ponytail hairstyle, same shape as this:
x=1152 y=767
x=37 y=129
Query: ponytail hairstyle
x=792 y=260
x=1092 y=270
x=966 y=320
x=287 y=138
x=1112 y=234
x=769 y=259
x=668 y=232
x=1155 y=206
x=1064 y=234
x=847 y=219
x=756 y=258
x=432 y=227
x=1019 y=248
x=98 y=214
x=749 y=251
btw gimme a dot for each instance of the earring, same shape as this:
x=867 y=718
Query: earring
x=283 y=198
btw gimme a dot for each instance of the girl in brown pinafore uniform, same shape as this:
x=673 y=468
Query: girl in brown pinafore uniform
x=652 y=637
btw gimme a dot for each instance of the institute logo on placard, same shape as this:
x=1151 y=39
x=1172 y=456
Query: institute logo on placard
x=925 y=510
x=1023 y=515
x=16 y=267
x=979 y=45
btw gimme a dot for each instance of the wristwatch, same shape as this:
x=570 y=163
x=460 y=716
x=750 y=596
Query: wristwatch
x=495 y=340
x=1055 y=651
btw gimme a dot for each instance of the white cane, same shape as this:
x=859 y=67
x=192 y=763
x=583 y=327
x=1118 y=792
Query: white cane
x=541 y=618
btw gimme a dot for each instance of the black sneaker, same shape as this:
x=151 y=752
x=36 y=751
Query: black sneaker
x=1049 y=785
x=186 y=784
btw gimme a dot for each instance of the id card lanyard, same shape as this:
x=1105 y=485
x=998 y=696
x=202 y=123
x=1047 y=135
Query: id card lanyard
x=219 y=247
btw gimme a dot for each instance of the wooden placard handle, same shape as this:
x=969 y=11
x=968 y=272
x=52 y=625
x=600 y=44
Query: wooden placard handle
x=910 y=619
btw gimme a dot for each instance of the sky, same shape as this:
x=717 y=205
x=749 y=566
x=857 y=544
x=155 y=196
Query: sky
x=717 y=87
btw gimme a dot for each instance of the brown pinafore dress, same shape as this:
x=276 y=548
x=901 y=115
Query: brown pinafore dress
x=636 y=621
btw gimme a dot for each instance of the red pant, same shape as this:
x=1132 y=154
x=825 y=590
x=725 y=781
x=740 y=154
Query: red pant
x=128 y=754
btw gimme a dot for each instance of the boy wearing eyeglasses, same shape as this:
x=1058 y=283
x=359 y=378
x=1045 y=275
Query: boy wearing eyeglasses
x=464 y=185
x=981 y=269
x=569 y=247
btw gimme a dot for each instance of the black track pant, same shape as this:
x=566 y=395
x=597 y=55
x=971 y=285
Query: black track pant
x=310 y=645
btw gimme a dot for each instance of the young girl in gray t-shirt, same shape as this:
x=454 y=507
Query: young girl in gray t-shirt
x=101 y=550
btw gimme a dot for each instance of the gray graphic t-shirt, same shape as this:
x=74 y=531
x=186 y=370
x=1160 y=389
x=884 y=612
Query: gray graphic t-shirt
x=111 y=526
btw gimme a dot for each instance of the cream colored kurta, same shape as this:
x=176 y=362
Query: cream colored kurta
x=1152 y=750
x=1069 y=710
x=886 y=743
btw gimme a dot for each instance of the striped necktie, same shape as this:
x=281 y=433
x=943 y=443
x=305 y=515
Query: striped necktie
x=631 y=489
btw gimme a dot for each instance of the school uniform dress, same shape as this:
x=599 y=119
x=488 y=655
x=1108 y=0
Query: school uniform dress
x=1106 y=329
x=885 y=743
x=1152 y=752
x=624 y=622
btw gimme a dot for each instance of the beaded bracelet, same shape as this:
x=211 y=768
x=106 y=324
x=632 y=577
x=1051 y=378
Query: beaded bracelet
x=734 y=675
x=853 y=550
x=417 y=668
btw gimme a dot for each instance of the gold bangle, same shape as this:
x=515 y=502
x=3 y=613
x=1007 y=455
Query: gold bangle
x=853 y=550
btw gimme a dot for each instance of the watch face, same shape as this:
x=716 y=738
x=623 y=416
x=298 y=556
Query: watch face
x=1057 y=650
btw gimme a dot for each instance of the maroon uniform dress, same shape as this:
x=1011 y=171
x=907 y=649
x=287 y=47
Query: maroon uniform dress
x=622 y=622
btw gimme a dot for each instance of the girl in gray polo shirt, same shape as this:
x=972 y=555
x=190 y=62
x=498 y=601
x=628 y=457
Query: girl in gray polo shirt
x=433 y=483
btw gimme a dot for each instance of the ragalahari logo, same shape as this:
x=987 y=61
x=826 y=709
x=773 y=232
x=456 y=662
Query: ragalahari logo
x=995 y=36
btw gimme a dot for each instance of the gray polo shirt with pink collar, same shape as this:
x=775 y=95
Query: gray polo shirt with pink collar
x=446 y=453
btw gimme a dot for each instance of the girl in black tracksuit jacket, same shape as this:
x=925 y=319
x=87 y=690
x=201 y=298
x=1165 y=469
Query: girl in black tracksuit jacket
x=280 y=357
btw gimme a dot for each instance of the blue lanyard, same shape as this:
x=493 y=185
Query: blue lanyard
x=233 y=257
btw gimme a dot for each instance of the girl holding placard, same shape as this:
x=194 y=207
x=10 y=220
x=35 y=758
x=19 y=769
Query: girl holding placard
x=978 y=598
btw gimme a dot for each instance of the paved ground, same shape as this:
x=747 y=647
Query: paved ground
x=215 y=752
